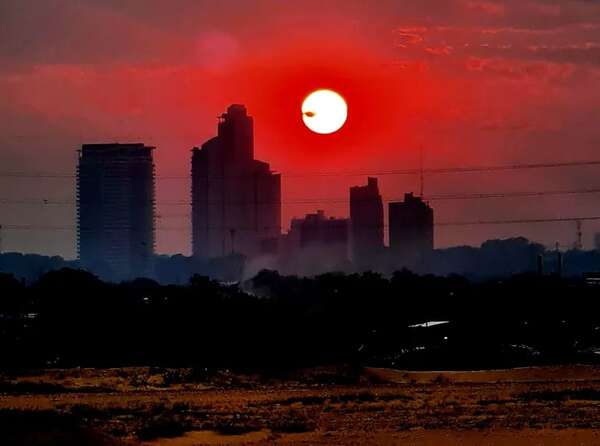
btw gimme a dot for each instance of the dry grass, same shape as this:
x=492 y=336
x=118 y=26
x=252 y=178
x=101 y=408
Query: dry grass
x=129 y=404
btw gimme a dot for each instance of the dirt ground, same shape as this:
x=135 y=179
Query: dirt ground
x=183 y=407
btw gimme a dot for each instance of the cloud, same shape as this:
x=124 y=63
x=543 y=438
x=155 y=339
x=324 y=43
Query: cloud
x=487 y=7
x=406 y=36
x=517 y=69
x=440 y=50
x=217 y=50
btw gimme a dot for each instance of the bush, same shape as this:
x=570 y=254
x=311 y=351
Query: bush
x=162 y=426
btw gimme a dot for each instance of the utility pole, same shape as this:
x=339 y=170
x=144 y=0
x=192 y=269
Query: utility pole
x=559 y=261
x=579 y=239
x=422 y=171
x=232 y=233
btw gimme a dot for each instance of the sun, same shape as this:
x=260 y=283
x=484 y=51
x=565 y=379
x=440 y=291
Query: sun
x=324 y=111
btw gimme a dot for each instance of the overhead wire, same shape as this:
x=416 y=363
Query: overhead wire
x=340 y=200
x=291 y=174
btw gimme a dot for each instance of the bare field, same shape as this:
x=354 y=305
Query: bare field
x=182 y=407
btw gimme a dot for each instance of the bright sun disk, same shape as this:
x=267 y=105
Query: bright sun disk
x=324 y=111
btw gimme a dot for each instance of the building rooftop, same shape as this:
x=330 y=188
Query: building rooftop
x=116 y=148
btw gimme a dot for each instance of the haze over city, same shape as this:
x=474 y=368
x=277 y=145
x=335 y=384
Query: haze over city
x=328 y=223
x=472 y=82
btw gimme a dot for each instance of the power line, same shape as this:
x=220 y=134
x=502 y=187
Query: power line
x=412 y=171
x=74 y=228
x=315 y=200
x=517 y=221
x=524 y=194
x=442 y=223
x=420 y=171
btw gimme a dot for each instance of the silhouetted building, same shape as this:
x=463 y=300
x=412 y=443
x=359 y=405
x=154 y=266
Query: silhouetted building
x=366 y=216
x=315 y=244
x=115 y=209
x=597 y=241
x=540 y=264
x=411 y=230
x=236 y=200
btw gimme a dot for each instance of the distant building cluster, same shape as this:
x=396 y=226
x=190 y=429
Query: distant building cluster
x=314 y=244
x=236 y=211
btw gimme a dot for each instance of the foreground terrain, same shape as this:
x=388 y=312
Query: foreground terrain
x=187 y=407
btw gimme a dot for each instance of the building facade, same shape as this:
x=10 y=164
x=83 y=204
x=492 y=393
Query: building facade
x=115 y=209
x=411 y=231
x=236 y=200
x=366 y=216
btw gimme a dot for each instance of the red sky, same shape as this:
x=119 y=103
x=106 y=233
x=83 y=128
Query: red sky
x=473 y=81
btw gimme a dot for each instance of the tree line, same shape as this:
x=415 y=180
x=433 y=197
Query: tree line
x=71 y=318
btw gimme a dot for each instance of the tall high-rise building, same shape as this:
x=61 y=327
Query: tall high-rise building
x=411 y=230
x=115 y=209
x=366 y=216
x=236 y=200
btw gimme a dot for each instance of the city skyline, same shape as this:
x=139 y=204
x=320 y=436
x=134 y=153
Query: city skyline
x=476 y=83
x=236 y=211
x=576 y=221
